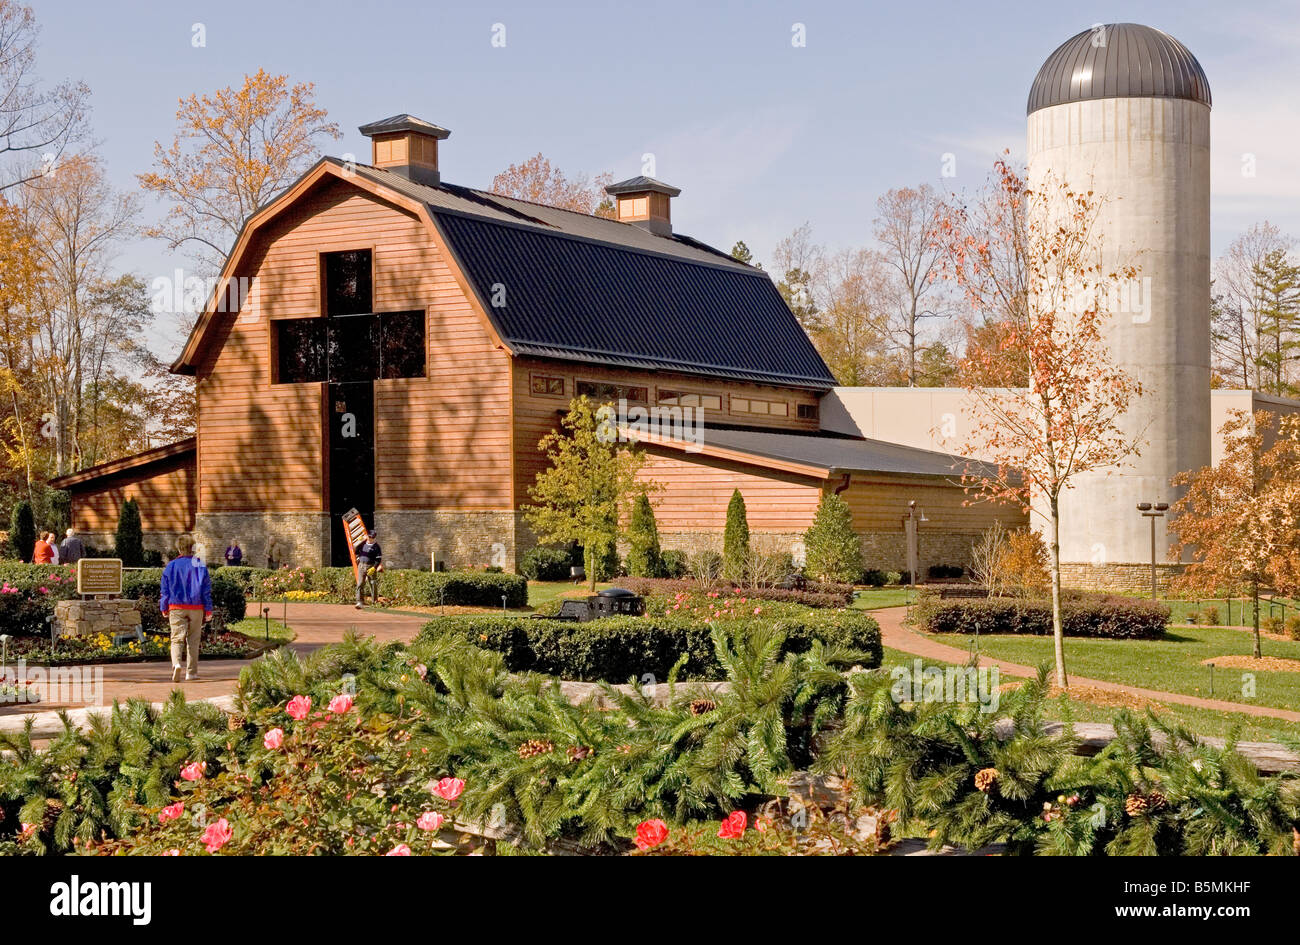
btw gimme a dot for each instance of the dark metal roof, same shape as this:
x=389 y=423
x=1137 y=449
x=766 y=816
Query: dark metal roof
x=578 y=298
x=403 y=122
x=1119 y=60
x=844 y=453
x=642 y=184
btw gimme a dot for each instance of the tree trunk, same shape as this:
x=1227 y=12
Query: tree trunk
x=589 y=560
x=1254 y=593
x=1058 y=629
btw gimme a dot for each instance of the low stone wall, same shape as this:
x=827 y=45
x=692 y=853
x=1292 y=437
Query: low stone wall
x=1125 y=577
x=82 y=618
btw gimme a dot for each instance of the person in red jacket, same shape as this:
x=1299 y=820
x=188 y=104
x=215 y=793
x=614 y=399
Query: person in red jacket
x=42 y=551
x=186 y=600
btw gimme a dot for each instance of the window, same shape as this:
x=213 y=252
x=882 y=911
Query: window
x=772 y=408
x=807 y=411
x=347 y=282
x=634 y=207
x=349 y=348
x=690 y=399
x=608 y=393
x=550 y=386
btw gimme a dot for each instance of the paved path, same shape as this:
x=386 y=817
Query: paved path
x=314 y=624
x=899 y=637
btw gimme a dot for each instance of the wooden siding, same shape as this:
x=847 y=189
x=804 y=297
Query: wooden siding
x=165 y=492
x=535 y=415
x=442 y=441
x=879 y=503
x=697 y=490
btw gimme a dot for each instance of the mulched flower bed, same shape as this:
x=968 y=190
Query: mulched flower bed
x=74 y=651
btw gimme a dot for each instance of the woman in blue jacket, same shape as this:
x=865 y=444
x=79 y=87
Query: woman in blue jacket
x=186 y=602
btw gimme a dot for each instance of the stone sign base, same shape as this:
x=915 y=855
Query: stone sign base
x=81 y=618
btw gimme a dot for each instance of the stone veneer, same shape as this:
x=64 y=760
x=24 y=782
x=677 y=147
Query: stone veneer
x=460 y=539
x=304 y=537
x=163 y=542
x=1132 y=578
x=83 y=618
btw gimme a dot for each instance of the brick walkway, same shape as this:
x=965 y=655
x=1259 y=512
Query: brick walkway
x=899 y=637
x=314 y=624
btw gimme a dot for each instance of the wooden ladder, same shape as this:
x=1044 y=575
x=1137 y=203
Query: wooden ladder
x=355 y=529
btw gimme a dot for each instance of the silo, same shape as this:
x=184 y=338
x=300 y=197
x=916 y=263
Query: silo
x=1124 y=110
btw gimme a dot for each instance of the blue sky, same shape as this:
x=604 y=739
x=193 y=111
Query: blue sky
x=760 y=135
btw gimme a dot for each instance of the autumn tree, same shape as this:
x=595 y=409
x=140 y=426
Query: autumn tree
x=535 y=180
x=848 y=326
x=20 y=322
x=589 y=486
x=1051 y=289
x=79 y=223
x=1240 y=520
x=233 y=150
x=36 y=123
x=797 y=261
x=1239 y=321
x=904 y=226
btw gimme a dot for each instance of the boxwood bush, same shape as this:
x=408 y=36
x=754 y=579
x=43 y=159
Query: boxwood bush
x=616 y=649
x=814 y=594
x=1117 y=618
x=545 y=564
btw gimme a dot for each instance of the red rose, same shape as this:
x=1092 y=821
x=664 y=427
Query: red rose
x=733 y=827
x=651 y=833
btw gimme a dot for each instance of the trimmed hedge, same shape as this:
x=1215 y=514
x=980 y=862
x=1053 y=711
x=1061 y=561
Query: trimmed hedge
x=1116 y=618
x=616 y=649
x=814 y=594
x=545 y=564
x=423 y=588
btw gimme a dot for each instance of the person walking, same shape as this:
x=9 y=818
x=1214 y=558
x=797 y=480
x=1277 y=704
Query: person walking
x=43 y=551
x=369 y=555
x=234 y=554
x=186 y=602
x=73 y=549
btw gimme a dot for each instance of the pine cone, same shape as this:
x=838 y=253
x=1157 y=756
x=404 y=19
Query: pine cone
x=578 y=752
x=234 y=722
x=52 y=809
x=535 y=746
x=700 y=706
x=985 y=778
x=1157 y=802
x=1135 y=804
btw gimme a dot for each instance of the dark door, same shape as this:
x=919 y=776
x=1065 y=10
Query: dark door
x=351 y=412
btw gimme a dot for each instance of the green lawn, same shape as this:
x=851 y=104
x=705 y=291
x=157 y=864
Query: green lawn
x=1172 y=664
x=875 y=598
x=1234 y=612
x=543 y=592
x=1202 y=721
x=255 y=627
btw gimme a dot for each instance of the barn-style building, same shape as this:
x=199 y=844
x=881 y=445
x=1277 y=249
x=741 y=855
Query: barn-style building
x=405 y=343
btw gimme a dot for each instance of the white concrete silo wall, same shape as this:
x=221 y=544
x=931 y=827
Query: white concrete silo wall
x=1150 y=159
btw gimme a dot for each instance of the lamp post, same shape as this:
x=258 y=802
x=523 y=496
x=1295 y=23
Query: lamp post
x=1153 y=511
x=911 y=521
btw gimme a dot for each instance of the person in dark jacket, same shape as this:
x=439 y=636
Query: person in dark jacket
x=234 y=554
x=186 y=602
x=369 y=556
x=72 y=550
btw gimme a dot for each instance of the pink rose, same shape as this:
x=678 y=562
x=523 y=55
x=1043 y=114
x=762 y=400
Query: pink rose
x=273 y=739
x=171 y=812
x=340 y=704
x=429 y=820
x=194 y=771
x=298 y=707
x=400 y=850
x=217 y=835
x=449 y=788
x=733 y=825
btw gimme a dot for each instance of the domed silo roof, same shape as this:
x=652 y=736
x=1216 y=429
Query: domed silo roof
x=1135 y=62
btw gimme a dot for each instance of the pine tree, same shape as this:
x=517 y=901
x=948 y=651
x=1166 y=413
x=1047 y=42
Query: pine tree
x=833 y=549
x=129 y=544
x=1277 y=284
x=735 y=539
x=22 y=530
x=643 y=556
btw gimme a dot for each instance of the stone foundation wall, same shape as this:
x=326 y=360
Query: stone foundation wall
x=460 y=539
x=304 y=537
x=163 y=542
x=1130 y=578
x=82 y=618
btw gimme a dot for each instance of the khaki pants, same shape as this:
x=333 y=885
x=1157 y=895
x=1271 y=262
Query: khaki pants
x=186 y=627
